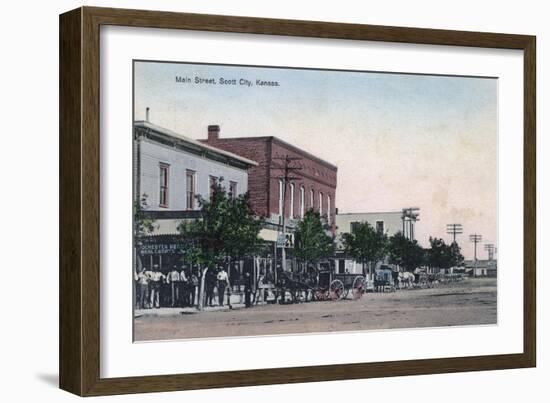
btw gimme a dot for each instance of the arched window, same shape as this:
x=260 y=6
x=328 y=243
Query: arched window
x=328 y=209
x=291 y=210
x=320 y=204
x=281 y=201
x=311 y=198
x=302 y=201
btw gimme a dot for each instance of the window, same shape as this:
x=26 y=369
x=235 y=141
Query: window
x=281 y=195
x=328 y=209
x=190 y=189
x=302 y=201
x=354 y=226
x=311 y=198
x=291 y=214
x=320 y=204
x=380 y=227
x=233 y=189
x=212 y=185
x=163 y=185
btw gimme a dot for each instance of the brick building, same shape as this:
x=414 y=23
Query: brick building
x=315 y=186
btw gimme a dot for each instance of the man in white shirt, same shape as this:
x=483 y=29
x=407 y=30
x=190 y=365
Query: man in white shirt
x=156 y=279
x=173 y=279
x=142 y=281
x=223 y=282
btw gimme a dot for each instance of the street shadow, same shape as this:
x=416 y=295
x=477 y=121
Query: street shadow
x=49 y=379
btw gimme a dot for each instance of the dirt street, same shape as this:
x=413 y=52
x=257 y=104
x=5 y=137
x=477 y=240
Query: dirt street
x=470 y=302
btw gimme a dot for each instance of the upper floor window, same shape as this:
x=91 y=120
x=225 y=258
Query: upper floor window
x=311 y=198
x=233 y=189
x=212 y=185
x=328 y=209
x=163 y=184
x=380 y=227
x=190 y=189
x=320 y=204
x=301 y=201
x=281 y=197
x=291 y=213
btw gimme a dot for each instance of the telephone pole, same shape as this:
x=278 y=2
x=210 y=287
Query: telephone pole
x=454 y=230
x=475 y=238
x=490 y=248
x=286 y=177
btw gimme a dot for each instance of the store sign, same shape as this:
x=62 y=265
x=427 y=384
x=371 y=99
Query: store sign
x=160 y=245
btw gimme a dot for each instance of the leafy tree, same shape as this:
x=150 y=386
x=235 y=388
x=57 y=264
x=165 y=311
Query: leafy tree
x=142 y=225
x=242 y=228
x=405 y=252
x=443 y=256
x=365 y=245
x=311 y=242
x=226 y=230
x=457 y=259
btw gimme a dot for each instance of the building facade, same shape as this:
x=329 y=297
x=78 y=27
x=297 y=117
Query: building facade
x=170 y=172
x=481 y=268
x=388 y=223
x=312 y=184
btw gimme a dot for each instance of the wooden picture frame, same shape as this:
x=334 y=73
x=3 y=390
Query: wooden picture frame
x=80 y=184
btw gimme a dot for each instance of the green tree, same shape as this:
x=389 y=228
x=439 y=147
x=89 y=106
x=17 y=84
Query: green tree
x=457 y=259
x=365 y=245
x=311 y=241
x=226 y=230
x=405 y=252
x=142 y=226
x=443 y=256
x=242 y=228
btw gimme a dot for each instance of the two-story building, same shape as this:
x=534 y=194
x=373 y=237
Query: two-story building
x=388 y=223
x=170 y=172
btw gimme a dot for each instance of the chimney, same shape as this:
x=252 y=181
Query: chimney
x=213 y=132
x=147 y=114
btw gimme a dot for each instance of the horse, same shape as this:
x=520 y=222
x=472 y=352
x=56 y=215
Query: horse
x=406 y=279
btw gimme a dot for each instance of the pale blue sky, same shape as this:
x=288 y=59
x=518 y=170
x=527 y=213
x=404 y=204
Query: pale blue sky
x=398 y=140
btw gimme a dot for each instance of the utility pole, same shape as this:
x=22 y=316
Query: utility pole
x=409 y=216
x=454 y=230
x=490 y=248
x=286 y=177
x=475 y=238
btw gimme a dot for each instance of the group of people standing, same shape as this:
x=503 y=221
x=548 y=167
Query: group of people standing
x=155 y=289
x=179 y=288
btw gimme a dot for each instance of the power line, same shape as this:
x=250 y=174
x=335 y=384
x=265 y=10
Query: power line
x=475 y=238
x=454 y=230
x=490 y=248
x=286 y=176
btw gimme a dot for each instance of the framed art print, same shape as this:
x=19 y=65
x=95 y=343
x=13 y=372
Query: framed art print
x=303 y=200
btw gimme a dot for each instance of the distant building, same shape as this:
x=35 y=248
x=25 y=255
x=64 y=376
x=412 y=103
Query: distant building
x=481 y=268
x=388 y=223
x=170 y=170
x=314 y=189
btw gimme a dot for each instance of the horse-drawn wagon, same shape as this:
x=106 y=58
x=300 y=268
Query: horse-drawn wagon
x=317 y=285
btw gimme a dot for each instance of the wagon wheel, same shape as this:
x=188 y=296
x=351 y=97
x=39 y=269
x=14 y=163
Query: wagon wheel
x=320 y=294
x=358 y=287
x=337 y=290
